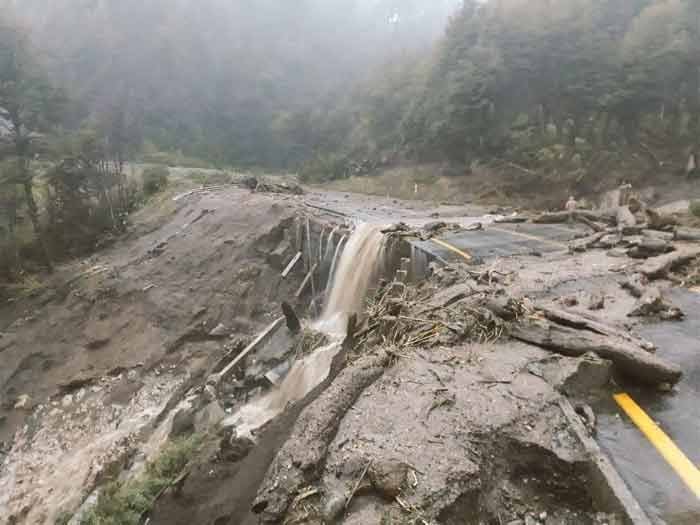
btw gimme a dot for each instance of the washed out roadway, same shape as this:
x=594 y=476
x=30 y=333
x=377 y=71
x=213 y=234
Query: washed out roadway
x=658 y=488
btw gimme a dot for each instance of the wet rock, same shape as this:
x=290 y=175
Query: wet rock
x=67 y=401
x=24 y=402
x=617 y=252
x=233 y=448
x=219 y=331
x=530 y=520
x=280 y=255
x=596 y=302
x=388 y=477
x=333 y=508
x=97 y=344
x=576 y=377
x=208 y=417
x=132 y=375
x=183 y=422
x=199 y=311
x=209 y=393
x=588 y=416
x=570 y=301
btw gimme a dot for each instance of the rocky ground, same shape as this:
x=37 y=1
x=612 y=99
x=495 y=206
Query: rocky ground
x=451 y=402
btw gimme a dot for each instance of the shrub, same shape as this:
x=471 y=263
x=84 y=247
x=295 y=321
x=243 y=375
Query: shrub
x=155 y=179
x=210 y=178
x=694 y=208
x=125 y=503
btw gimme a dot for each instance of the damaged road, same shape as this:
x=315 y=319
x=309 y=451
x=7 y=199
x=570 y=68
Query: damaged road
x=464 y=390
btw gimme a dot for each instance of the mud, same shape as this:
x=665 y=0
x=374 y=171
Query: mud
x=434 y=430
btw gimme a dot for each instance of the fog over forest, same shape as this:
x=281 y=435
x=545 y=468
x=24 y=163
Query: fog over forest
x=570 y=91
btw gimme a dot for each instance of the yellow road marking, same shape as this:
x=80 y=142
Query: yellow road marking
x=531 y=237
x=688 y=472
x=453 y=249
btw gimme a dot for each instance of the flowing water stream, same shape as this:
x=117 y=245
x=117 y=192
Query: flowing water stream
x=350 y=279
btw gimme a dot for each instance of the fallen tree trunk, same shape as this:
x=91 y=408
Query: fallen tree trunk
x=657 y=221
x=657 y=267
x=563 y=216
x=581 y=245
x=583 y=323
x=649 y=247
x=300 y=461
x=687 y=234
x=595 y=226
x=629 y=360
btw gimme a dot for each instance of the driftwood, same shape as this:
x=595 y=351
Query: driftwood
x=595 y=226
x=657 y=221
x=687 y=234
x=215 y=379
x=581 y=245
x=563 y=216
x=300 y=460
x=628 y=358
x=583 y=323
x=649 y=247
x=306 y=281
x=291 y=265
x=657 y=267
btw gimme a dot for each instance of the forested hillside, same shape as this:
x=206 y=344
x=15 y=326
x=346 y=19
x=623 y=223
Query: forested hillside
x=561 y=85
x=566 y=92
x=223 y=80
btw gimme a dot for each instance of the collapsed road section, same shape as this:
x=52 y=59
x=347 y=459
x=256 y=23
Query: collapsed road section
x=372 y=385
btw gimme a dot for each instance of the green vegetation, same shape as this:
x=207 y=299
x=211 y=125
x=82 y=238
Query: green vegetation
x=572 y=96
x=694 y=208
x=155 y=179
x=126 y=503
x=210 y=178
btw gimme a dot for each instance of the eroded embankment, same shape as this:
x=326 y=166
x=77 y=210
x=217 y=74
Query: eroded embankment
x=105 y=353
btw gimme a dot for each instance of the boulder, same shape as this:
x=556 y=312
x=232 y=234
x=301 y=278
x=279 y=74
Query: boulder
x=24 y=402
x=388 y=477
x=209 y=416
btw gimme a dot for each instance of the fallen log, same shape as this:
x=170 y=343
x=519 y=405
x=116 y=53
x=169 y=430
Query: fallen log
x=657 y=267
x=649 y=247
x=216 y=379
x=581 y=245
x=628 y=359
x=687 y=234
x=563 y=216
x=657 y=221
x=579 y=322
x=299 y=462
x=595 y=226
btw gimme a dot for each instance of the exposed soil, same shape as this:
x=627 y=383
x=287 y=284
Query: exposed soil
x=429 y=414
